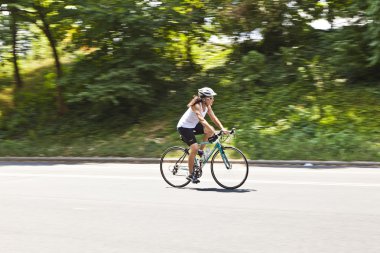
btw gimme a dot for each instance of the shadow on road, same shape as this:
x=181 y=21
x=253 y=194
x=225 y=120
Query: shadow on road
x=222 y=190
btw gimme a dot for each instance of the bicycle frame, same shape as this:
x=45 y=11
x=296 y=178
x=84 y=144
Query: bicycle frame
x=218 y=146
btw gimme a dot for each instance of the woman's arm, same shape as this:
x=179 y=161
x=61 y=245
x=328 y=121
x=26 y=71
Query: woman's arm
x=197 y=110
x=215 y=119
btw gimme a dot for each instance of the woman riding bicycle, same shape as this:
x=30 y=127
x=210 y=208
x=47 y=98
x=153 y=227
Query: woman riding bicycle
x=193 y=123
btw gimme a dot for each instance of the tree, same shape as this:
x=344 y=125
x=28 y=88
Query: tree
x=373 y=13
x=365 y=16
x=184 y=24
x=281 y=23
x=42 y=9
x=9 y=20
x=46 y=15
x=122 y=65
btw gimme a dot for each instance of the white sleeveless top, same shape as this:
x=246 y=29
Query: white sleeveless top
x=189 y=119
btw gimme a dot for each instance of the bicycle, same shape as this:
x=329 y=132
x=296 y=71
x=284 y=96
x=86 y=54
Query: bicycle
x=229 y=166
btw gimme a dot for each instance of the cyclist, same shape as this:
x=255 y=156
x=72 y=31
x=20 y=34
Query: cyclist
x=193 y=123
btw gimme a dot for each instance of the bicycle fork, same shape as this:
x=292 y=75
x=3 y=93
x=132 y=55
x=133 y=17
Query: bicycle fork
x=225 y=160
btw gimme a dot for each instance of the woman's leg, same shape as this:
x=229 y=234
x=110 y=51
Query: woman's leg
x=205 y=138
x=199 y=129
x=193 y=152
x=188 y=136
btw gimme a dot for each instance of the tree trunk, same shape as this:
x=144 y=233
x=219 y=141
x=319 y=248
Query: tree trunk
x=16 y=68
x=189 y=54
x=62 y=107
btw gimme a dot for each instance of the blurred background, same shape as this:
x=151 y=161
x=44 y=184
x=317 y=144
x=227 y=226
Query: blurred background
x=298 y=79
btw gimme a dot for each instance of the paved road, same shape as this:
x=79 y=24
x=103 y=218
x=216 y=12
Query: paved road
x=106 y=208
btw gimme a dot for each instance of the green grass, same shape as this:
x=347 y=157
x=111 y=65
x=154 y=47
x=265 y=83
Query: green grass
x=93 y=141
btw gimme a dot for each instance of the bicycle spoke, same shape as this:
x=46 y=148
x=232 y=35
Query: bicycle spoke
x=229 y=169
x=174 y=166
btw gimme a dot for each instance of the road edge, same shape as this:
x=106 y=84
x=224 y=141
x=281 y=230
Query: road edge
x=304 y=163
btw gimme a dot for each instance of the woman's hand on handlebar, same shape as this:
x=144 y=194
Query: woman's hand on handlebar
x=225 y=131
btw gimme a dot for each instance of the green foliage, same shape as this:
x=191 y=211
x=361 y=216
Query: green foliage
x=303 y=126
x=294 y=92
x=250 y=69
x=373 y=34
x=126 y=68
x=34 y=107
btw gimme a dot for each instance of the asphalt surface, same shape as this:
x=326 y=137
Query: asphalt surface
x=46 y=207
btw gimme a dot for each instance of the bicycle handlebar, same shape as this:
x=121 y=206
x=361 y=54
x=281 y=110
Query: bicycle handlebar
x=217 y=135
x=230 y=132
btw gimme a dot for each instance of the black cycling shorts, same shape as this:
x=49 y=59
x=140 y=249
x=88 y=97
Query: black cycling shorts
x=188 y=134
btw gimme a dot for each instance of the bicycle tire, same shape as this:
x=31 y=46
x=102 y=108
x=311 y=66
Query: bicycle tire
x=174 y=166
x=235 y=173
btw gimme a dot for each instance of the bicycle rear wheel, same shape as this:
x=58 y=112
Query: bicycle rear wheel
x=174 y=166
x=229 y=168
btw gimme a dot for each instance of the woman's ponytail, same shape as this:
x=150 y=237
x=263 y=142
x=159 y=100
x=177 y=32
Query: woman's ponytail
x=194 y=101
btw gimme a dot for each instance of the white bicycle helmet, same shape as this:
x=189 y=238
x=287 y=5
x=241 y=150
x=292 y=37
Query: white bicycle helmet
x=206 y=92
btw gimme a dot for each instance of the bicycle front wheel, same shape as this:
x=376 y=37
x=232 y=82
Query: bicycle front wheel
x=174 y=166
x=229 y=168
